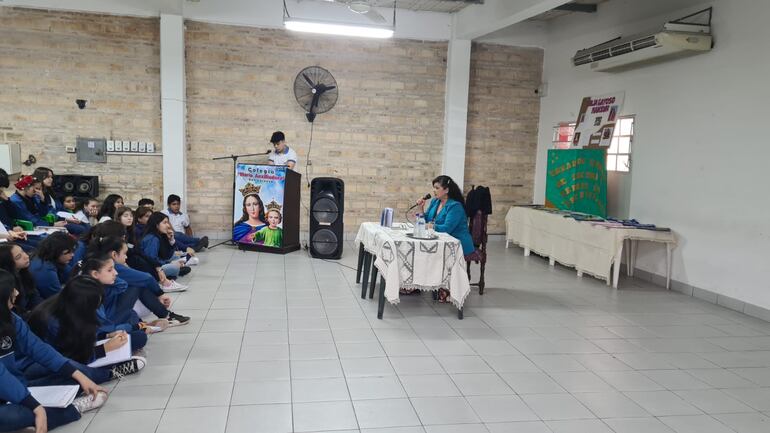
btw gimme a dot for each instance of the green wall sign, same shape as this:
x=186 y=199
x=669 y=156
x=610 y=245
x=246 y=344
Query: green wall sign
x=577 y=180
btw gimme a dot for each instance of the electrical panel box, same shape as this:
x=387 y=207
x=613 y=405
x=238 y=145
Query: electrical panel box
x=10 y=158
x=91 y=149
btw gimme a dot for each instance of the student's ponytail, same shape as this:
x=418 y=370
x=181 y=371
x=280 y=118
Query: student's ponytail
x=105 y=245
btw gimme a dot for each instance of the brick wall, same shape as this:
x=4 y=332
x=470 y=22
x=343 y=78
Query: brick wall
x=503 y=113
x=48 y=59
x=383 y=138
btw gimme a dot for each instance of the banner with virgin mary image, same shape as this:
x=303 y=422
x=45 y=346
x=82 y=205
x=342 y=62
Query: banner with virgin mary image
x=258 y=207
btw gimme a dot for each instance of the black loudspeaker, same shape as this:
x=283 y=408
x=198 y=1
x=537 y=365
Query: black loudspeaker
x=327 y=205
x=76 y=185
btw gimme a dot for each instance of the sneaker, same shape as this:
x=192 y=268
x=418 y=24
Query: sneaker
x=87 y=403
x=184 y=270
x=125 y=368
x=177 y=319
x=173 y=286
x=202 y=243
x=192 y=261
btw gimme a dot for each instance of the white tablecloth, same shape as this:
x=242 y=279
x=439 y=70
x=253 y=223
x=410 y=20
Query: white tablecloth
x=416 y=264
x=589 y=248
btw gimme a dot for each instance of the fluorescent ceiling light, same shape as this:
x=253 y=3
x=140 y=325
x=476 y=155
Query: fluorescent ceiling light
x=338 y=29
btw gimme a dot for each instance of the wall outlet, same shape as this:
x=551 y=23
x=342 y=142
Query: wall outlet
x=118 y=146
x=142 y=147
x=134 y=146
x=150 y=147
x=70 y=149
x=110 y=145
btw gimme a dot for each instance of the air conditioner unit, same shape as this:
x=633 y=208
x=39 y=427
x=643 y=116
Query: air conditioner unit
x=673 y=41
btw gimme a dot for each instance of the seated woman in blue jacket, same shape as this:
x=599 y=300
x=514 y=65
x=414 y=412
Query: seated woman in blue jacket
x=446 y=214
x=141 y=286
x=157 y=248
x=27 y=203
x=68 y=321
x=18 y=409
x=50 y=267
x=52 y=204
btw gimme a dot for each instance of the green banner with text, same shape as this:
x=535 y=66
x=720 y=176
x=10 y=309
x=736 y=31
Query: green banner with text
x=577 y=180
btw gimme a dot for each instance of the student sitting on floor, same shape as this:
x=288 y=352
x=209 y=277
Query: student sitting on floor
x=157 y=248
x=10 y=231
x=111 y=317
x=181 y=224
x=141 y=286
x=14 y=260
x=147 y=202
x=27 y=202
x=69 y=322
x=69 y=207
x=88 y=211
x=109 y=205
x=21 y=410
x=50 y=266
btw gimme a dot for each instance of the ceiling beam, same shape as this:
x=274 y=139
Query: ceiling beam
x=475 y=21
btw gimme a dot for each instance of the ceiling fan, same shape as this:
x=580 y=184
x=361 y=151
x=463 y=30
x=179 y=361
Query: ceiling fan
x=361 y=7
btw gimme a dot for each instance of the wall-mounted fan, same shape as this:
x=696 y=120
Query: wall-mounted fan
x=361 y=7
x=315 y=90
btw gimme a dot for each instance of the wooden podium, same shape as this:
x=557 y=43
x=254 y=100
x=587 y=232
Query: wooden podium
x=291 y=202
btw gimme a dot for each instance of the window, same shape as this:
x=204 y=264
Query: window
x=562 y=135
x=619 y=152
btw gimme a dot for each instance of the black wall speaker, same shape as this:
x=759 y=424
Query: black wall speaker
x=327 y=205
x=76 y=185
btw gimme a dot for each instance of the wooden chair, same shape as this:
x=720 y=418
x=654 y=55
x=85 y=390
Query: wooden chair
x=478 y=228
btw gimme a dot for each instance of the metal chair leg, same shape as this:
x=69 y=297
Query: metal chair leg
x=381 y=304
x=374 y=278
x=361 y=252
x=460 y=314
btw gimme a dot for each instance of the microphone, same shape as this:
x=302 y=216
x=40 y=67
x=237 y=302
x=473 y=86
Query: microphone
x=427 y=196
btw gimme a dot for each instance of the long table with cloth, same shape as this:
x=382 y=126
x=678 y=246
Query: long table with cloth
x=591 y=247
x=407 y=263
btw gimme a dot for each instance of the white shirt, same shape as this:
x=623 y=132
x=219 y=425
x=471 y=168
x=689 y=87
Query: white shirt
x=178 y=220
x=288 y=155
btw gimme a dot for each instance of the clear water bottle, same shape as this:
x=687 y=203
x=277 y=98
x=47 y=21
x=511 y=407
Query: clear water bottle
x=419 y=226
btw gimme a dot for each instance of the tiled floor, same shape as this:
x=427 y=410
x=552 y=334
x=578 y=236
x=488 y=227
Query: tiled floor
x=283 y=343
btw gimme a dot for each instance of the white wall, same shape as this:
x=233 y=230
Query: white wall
x=255 y=13
x=699 y=153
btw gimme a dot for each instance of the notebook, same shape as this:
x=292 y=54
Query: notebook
x=54 y=396
x=123 y=353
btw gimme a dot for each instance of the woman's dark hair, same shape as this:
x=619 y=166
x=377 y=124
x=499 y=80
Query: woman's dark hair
x=130 y=235
x=93 y=263
x=7 y=284
x=108 y=206
x=4 y=181
x=40 y=174
x=165 y=250
x=103 y=230
x=54 y=245
x=140 y=212
x=105 y=246
x=75 y=309
x=146 y=201
x=455 y=193
x=245 y=216
x=25 y=284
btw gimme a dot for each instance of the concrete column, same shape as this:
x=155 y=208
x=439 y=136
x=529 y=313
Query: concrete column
x=456 y=108
x=173 y=107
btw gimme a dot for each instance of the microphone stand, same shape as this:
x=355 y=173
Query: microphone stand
x=232 y=202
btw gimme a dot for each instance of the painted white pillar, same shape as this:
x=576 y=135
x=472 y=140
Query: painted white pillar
x=173 y=107
x=458 y=73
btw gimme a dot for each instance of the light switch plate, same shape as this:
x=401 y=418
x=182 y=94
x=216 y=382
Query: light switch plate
x=142 y=147
x=118 y=146
x=150 y=147
x=110 y=145
x=134 y=146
